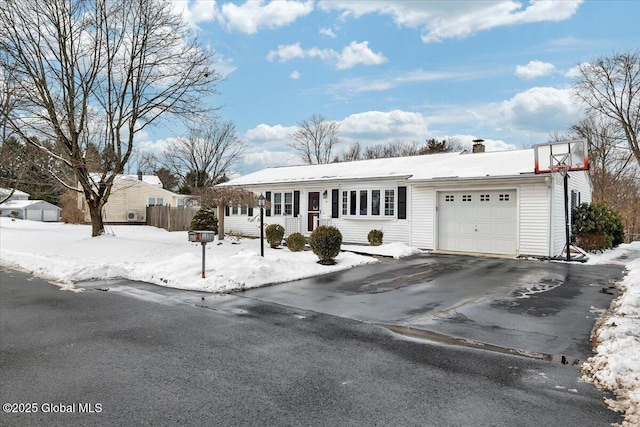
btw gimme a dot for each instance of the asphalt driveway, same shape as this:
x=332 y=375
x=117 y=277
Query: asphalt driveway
x=546 y=308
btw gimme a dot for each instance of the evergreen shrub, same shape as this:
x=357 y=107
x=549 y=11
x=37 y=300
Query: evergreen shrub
x=274 y=234
x=296 y=242
x=325 y=242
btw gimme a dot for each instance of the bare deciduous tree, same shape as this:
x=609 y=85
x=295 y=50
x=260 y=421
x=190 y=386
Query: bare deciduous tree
x=99 y=72
x=315 y=139
x=204 y=157
x=614 y=175
x=610 y=86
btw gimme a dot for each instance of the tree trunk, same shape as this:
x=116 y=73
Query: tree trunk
x=97 y=225
x=220 y=222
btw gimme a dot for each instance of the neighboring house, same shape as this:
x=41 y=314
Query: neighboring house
x=17 y=194
x=130 y=196
x=34 y=210
x=490 y=203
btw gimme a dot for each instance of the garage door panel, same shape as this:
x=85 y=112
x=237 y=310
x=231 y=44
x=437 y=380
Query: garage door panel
x=477 y=221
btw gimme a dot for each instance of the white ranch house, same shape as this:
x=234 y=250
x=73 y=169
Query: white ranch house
x=487 y=202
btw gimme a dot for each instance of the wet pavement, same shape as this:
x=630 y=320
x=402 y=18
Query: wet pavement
x=531 y=306
x=125 y=353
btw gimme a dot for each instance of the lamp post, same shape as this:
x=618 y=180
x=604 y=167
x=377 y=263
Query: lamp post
x=261 y=204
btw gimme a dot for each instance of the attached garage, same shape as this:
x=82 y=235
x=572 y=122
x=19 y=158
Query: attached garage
x=478 y=221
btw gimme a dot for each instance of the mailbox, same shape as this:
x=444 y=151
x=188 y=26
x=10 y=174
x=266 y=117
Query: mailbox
x=202 y=236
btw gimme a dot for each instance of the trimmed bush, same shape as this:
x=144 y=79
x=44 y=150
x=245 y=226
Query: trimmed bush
x=205 y=219
x=598 y=226
x=274 y=234
x=375 y=237
x=296 y=242
x=325 y=242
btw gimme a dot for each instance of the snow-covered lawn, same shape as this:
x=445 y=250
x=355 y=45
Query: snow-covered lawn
x=616 y=365
x=66 y=254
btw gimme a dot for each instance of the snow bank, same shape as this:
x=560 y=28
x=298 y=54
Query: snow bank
x=616 y=365
x=66 y=254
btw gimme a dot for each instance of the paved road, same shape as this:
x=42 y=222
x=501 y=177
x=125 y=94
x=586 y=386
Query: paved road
x=157 y=356
x=542 y=307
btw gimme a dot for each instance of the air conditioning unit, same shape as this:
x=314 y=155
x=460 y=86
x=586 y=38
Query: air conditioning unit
x=132 y=216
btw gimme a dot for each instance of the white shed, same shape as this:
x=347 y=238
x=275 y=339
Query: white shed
x=488 y=202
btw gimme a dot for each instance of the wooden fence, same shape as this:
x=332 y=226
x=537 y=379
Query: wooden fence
x=169 y=218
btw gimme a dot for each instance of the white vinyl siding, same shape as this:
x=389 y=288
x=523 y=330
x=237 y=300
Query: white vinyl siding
x=422 y=217
x=534 y=220
x=579 y=182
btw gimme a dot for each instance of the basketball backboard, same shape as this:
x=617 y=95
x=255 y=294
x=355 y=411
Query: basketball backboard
x=573 y=154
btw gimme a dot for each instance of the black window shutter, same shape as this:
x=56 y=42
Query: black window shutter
x=250 y=211
x=226 y=211
x=335 y=203
x=296 y=203
x=267 y=196
x=402 y=202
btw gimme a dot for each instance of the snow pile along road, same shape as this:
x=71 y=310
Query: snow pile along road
x=616 y=365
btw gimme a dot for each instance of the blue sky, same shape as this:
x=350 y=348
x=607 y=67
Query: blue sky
x=402 y=70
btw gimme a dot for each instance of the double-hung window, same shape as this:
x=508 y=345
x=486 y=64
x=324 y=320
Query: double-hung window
x=282 y=203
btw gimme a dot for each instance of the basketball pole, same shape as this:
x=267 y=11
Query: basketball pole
x=566 y=214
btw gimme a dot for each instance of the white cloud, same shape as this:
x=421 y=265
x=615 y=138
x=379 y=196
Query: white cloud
x=381 y=126
x=262 y=159
x=359 y=53
x=327 y=32
x=286 y=52
x=196 y=11
x=574 y=72
x=295 y=75
x=224 y=66
x=266 y=134
x=457 y=19
x=252 y=16
x=353 y=54
x=540 y=109
x=534 y=69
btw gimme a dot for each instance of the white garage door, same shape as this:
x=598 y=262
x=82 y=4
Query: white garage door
x=34 y=214
x=477 y=221
x=50 y=215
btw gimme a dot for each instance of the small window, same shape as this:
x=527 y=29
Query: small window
x=277 y=203
x=389 y=202
x=352 y=202
x=234 y=210
x=345 y=202
x=503 y=197
x=363 y=202
x=375 y=202
x=449 y=198
x=288 y=203
x=466 y=198
x=485 y=197
x=155 y=201
x=243 y=210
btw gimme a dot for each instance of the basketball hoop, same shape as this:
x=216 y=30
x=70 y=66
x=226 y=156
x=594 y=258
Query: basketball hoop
x=560 y=169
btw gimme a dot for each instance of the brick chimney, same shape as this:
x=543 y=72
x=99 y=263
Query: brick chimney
x=140 y=174
x=478 y=146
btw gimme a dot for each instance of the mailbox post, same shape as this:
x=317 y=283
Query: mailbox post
x=203 y=237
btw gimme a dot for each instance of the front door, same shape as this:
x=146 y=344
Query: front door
x=313 y=209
